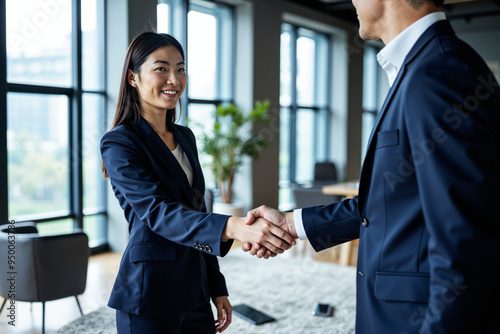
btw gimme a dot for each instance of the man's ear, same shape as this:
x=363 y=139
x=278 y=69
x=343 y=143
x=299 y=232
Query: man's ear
x=132 y=78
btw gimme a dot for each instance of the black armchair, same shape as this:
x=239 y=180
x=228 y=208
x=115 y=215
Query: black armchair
x=45 y=268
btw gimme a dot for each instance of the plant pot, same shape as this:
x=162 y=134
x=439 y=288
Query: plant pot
x=230 y=209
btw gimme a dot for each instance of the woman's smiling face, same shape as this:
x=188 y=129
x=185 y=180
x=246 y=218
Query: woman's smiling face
x=161 y=80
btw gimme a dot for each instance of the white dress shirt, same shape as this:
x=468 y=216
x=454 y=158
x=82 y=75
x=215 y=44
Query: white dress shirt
x=392 y=56
x=183 y=160
x=391 y=59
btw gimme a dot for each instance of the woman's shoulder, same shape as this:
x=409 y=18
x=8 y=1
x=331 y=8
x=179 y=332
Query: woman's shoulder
x=124 y=132
x=184 y=130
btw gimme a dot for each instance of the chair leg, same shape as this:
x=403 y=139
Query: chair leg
x=43 y=317
x=3 y=304
x=78 y=303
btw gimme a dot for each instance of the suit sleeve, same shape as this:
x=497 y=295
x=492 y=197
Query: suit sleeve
x=452 y=119
x=216 y=280
x=132 y=178
x=333 y=224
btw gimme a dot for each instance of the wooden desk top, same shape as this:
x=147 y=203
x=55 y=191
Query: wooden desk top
x=348 y=189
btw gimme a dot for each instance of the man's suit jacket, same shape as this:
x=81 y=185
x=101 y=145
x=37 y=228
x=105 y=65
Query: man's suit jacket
x=428 y=258
x=171 y=256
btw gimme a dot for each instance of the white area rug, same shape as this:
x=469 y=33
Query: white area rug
x=286 y=288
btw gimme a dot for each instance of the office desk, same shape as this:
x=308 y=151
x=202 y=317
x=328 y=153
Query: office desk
x=347 y=189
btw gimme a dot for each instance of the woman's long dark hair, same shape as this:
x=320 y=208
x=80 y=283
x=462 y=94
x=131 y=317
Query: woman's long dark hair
x=128 y=109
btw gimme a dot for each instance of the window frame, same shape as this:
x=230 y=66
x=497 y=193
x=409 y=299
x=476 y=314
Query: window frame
x=225 y=72
x=221 y=71
x=319 y=109
x=75 y=93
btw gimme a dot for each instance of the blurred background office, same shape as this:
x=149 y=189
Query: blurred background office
x=60 y=70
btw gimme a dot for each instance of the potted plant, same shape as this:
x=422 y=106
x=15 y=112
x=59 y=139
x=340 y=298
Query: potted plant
x=230 y=140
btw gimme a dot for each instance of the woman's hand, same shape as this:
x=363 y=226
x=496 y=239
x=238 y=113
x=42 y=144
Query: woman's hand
x=280 y=219
x=224 y=313
x=260 y=231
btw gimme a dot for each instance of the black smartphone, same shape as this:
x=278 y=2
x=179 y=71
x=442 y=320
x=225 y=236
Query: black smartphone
x=252 y=315
x=323 y=310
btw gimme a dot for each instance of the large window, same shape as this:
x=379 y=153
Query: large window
x=304 y=105
x=55 y=98
x=375 y=87
x=209 y=53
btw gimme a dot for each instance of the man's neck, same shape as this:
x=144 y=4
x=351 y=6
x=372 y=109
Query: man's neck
x=401 y=16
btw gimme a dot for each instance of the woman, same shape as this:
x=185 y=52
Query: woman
x=169 y=270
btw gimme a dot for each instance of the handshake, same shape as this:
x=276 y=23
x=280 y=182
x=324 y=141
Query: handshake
x=265 y=232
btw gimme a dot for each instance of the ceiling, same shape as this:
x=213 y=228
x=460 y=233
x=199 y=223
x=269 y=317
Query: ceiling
x=466 y=9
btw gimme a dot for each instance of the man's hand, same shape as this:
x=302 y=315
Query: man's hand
x=283 y=220
x=261 y=231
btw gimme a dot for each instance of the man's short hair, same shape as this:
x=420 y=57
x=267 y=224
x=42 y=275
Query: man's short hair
x=418 y=3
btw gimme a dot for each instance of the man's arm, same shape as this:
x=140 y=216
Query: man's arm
x=324 y=226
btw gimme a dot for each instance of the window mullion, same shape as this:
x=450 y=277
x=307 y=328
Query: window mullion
x=293 y=104
x=328 y=88
x=75 y=121
x=4 y=199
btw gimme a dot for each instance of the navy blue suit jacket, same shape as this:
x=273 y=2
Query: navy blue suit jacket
x=171 y=256
x=425 y=216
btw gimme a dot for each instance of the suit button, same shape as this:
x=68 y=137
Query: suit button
x=365 y=222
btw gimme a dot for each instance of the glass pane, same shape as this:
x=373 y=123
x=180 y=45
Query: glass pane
x=94 y=227
x=93 y=128
x=201 y=121
x=225 y=33
x=368 y=122
x=37 y=147
x=285 y=198
x=284 y=158
x=39 y=42
x=202 y=65
x=321 y=134
x=162 y=17
x=306 y=50
x=55 y=227
x=92 y=48
x=322 y=70
x=285 y=69
x=305 y=143
x=370 y=66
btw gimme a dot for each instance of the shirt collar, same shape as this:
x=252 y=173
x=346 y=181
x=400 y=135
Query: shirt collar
x=392 y=56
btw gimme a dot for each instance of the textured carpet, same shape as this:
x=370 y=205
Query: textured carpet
x=284 y=287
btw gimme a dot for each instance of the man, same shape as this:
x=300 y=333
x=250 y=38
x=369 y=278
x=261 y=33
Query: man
x=429 y=257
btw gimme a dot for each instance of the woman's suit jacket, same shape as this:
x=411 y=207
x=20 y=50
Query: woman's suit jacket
x=170 y=259
x=429 y=250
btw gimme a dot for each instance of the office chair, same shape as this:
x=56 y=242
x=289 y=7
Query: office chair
x=44 y=268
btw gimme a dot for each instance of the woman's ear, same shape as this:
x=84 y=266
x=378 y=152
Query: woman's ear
x=132 y=78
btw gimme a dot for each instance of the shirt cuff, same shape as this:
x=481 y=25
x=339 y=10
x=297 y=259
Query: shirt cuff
x=299 y=224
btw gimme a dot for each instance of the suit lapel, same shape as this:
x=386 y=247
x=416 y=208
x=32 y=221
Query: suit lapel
x=439 y=27
x=162 y=152
x=189 y=147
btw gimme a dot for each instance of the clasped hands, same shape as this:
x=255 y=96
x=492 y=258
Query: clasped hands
x=265 y=232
